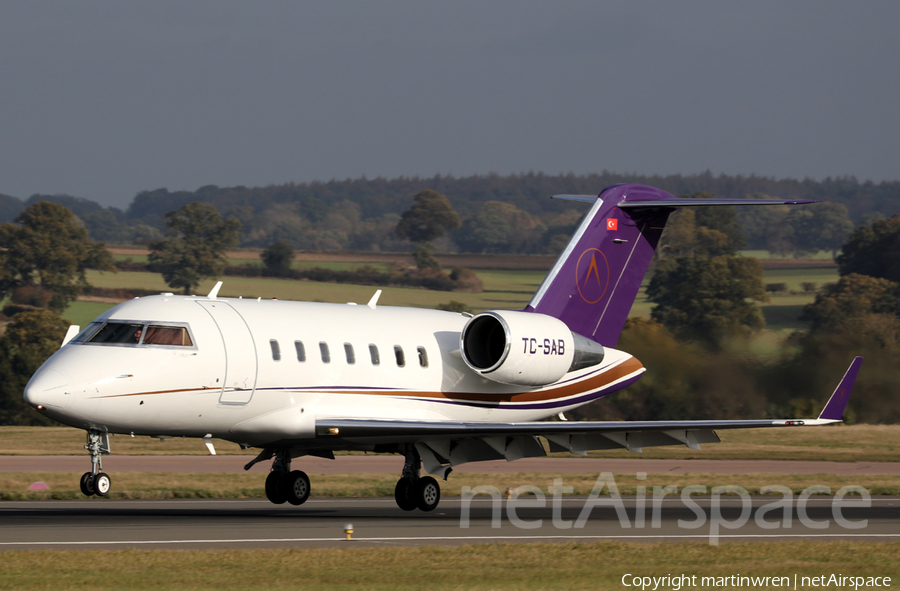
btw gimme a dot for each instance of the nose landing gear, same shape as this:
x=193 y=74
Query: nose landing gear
x=96 y=482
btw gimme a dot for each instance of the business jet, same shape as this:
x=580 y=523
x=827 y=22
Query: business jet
x=295 y=379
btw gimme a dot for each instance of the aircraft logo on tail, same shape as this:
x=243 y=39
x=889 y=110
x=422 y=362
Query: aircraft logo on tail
x=596 y=279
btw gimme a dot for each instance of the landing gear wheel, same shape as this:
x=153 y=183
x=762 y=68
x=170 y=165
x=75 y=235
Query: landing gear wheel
x=295 y=487
x=102 y=484
x=427 y=494
x=273 y=488
x=87 y=484
x=403 y=494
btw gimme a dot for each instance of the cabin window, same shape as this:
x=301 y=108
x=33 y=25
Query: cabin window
x=301 y=351
x=114 y=332
x=276 y=350
x=423 y=356
x=348 y=351
x=323 y=349
x=177 y=336
x=373 y=353
x=398 y=353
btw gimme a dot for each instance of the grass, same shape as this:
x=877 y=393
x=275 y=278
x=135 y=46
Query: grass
x=571 y=566
x=182 y=485
x=839 y=443
x=81 y=313
x=822 y=255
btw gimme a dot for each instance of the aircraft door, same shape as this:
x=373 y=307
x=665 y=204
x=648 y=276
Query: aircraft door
x=240 y=353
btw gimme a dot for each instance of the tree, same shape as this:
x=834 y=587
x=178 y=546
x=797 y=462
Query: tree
x=720 y=219
x=428 y=218
x=27 y=343
x=852 y=297
x=707 y=300
x=819 y=226
x=424 y=256
x=196 y=249
x=501 y=227
x=873 y=250
x=766 y=227
x=701 y=231
x=47 y=248
x=278 y=258
x=684 y=238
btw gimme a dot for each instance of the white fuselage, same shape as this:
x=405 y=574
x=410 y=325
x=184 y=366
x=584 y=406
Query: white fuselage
x=255 y=371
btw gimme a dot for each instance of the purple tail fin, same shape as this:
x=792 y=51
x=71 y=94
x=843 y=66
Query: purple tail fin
x=596 y=279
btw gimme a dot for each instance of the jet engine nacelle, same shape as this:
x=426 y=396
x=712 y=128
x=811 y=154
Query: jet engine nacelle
x=517 y=348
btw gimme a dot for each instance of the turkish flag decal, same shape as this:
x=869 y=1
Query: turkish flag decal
x=612 y=224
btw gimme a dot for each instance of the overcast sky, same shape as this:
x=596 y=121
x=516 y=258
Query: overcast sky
x=106 y=99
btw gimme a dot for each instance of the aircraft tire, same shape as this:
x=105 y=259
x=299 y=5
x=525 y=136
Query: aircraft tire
x=274 y=491
x=403 y=494
x=295 y=487
x=87 y=484
x=427 y=494
x=102 y=483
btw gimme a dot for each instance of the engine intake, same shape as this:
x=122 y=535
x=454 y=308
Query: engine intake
x=523 y=348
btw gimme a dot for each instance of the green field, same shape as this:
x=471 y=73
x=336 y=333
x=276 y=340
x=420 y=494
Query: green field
x=502 y=289
x=570 y=566
x=505 y=289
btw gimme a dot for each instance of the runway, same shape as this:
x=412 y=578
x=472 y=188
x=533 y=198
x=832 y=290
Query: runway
x=233 y=523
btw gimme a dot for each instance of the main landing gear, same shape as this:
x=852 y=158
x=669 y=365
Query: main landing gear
x=286 y=485
x=413 y=492
x=96 y=482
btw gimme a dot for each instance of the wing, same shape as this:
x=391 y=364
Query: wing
x=443 y=444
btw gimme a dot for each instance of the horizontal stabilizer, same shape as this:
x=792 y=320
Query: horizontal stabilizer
x=707 y=202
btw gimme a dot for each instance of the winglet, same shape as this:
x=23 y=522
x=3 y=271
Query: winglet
x=834 y=410
x=214 y=292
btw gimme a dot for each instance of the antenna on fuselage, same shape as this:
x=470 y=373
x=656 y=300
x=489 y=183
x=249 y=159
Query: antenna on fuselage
x=214 y=291
x=374 y=299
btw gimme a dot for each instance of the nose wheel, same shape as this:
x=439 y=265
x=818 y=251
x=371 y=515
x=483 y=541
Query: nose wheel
x=87 y=484
x=96 y=482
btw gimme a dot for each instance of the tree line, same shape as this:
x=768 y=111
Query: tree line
x=498 y=214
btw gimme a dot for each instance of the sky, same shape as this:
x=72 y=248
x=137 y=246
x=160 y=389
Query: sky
x=104 y=99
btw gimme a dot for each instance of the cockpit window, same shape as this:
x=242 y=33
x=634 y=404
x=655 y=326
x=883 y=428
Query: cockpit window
x=168 y=335
x=87 y=332
x=135 y=333
x=114 y=332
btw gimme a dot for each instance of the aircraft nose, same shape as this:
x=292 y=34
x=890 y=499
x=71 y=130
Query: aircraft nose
x=46 y=388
